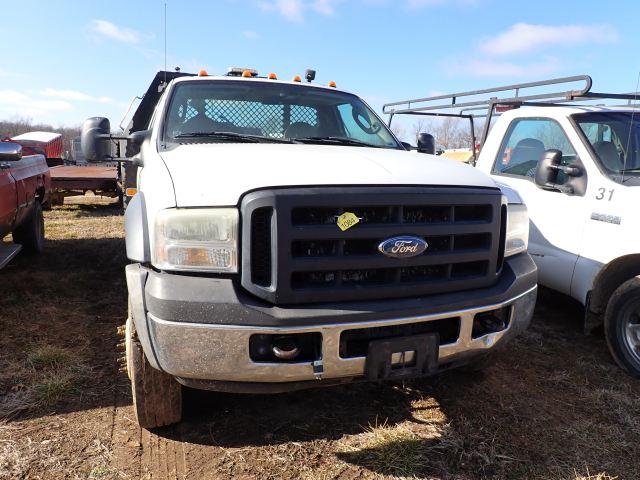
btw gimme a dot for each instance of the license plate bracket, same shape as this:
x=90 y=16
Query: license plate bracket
x=379 y=364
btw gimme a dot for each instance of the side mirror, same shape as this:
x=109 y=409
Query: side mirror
x=548 y=170
x=10 y=151
x=136 y=139
x=95 y=140
x=546 y=173
x=426 y=143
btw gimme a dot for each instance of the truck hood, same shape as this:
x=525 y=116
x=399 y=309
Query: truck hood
x=218 y=174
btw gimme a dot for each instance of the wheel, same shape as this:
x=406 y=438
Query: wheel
x=622 y=326
x=30 y=234
x=157 y=397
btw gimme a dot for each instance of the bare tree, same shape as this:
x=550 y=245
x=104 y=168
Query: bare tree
x=421 y=126
x=398 y=130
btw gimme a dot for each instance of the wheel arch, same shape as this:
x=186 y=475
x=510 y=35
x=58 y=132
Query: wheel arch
x=609 y=278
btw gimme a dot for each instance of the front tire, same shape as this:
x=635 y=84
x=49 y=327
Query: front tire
x=30 y=234
x=157 y=397
x=622 y=326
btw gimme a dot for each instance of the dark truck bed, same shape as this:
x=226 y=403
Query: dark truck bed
x=69 y=179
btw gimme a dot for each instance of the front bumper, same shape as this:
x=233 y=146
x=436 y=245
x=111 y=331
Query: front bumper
x=197 y=330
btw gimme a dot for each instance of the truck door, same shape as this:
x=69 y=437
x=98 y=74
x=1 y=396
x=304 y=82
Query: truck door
x=556 y=220
x=8 y=199
x=24 y=173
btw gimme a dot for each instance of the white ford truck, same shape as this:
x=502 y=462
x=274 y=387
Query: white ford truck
x=577 y=167
x=282 y=238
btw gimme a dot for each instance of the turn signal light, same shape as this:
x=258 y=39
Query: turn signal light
x=130 y=192
x=203 y=73
x=272 y=76
x=297 y=78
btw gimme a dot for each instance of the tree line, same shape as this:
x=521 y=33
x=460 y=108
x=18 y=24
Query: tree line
x=449 y=132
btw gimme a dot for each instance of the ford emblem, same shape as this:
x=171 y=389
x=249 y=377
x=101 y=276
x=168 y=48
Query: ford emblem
x=403 y=247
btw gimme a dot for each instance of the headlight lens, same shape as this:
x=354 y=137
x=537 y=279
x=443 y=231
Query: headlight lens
x=517 y=239
x=197 y=239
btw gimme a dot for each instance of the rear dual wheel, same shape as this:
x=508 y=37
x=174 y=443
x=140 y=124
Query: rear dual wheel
x=30 y=233
x=157 y=396
x=622 y=326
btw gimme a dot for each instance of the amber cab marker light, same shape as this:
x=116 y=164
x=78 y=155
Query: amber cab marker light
x=272 y=76
x=131 y=192
x=203 y=73
x=246 y=74
x=332 y=84
x=297 y=78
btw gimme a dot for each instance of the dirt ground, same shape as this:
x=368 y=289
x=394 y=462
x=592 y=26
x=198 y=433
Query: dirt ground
x=554 y=406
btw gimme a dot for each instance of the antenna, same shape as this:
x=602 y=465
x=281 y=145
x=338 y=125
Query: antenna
x=165 y=43
x=627 y=153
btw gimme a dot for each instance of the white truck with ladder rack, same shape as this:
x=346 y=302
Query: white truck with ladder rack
x=576 y=165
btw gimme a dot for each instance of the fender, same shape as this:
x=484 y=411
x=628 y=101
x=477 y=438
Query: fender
x=136 y=230
x=608 y=279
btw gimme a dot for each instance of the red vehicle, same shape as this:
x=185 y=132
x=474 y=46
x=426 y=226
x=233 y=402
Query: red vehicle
x=48 y=144
x=25 y=186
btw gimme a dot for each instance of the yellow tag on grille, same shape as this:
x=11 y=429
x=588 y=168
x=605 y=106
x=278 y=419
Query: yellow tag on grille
x=347 y=220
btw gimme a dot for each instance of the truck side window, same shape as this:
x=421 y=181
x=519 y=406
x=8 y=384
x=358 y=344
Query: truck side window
x=525 y=143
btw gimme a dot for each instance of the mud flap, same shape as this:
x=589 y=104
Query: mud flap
x=422 y=351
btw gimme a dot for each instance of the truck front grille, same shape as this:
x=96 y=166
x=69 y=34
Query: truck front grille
x=297 y=253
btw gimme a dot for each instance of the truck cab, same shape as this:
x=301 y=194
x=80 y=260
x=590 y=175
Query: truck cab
x=577 y=168
x=281 y=238
x=583 y=229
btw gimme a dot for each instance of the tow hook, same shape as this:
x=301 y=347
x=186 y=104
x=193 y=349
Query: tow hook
x=318 y=369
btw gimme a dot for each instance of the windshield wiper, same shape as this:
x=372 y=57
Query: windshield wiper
x=338 y=141
x=243 y=137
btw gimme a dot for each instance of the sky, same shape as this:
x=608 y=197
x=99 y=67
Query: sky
x=67 y=60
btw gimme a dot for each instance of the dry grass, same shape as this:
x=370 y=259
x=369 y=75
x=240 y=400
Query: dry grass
x=390 y=450
x=47 y=356
x=45 y=376
x=597 y=476
x=553 y=407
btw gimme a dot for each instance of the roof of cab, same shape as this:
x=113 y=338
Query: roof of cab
x=255 y=79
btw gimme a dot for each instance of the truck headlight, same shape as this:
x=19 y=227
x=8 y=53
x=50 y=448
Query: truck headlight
x=197 y=239
x=517 y=238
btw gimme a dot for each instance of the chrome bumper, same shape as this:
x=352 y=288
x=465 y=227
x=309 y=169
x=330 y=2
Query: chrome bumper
x=221 y=352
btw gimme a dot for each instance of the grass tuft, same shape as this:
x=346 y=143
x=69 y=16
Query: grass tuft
x=47 y=356
x=100 y=471
x=53 y=387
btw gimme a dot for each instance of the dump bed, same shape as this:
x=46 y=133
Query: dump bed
x=48 y=144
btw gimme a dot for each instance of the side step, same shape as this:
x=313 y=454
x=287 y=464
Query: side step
x=7 y=252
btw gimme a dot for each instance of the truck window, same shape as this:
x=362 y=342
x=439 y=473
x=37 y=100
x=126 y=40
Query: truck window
x=356 y=129
x=273 y=111
x=614 y=138
x=524 y=145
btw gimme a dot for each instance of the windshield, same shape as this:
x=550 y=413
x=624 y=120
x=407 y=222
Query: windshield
x=256 y=111
x=615 y=140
